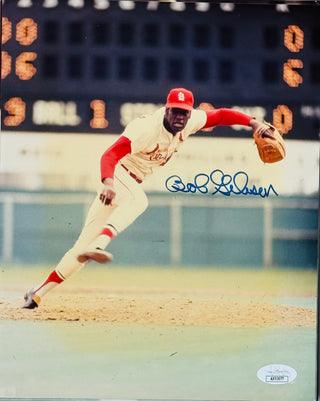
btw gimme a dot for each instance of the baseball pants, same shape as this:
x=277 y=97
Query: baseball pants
x=129 y=203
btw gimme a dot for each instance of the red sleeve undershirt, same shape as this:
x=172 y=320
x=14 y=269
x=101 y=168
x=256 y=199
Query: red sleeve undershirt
x=226 y=117
x=112 y=155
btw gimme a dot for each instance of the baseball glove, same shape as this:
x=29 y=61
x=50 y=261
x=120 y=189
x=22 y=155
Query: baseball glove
x=270 y=143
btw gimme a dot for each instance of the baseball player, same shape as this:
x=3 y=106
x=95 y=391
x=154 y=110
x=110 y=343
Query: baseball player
x=147 y=143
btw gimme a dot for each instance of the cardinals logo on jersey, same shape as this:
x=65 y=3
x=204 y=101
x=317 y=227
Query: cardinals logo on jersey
x=157 y=155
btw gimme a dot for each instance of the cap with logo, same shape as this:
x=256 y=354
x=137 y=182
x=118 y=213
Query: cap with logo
x=180 y=98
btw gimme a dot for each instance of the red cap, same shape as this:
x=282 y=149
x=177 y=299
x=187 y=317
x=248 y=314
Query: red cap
x=180 y=98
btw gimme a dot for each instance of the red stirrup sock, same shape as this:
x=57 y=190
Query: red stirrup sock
x=105 y=237
x=51 y=282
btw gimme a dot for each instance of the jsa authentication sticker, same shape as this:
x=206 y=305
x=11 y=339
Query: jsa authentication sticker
x=277 y=374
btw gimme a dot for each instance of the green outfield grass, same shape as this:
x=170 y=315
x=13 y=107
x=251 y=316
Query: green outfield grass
x=297 y=282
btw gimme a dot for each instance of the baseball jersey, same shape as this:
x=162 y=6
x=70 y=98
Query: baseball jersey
x=152 y=145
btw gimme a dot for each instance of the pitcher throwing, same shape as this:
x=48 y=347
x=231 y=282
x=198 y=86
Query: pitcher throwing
x=147 y=143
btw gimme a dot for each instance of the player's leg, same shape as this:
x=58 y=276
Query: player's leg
x=102 y=224
x=131 y=201
x=68 y=265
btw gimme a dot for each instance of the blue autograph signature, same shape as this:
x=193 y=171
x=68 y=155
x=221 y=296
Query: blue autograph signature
x=224 y=184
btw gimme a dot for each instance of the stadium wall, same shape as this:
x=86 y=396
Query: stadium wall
x=37 y=228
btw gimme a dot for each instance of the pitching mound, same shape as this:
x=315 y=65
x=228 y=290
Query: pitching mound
x=161 y=310
x=172 y=297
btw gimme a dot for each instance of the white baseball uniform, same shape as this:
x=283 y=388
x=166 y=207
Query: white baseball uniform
x=152 y=146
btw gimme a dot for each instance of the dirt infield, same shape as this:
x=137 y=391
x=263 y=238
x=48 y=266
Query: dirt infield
x=226 y=298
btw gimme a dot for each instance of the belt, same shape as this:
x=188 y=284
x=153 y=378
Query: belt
x=131 y=174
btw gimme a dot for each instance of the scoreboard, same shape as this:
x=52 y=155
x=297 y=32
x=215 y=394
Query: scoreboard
x=93 y=65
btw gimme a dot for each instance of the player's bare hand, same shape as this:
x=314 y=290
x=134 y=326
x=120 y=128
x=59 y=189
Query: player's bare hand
x=107 y=193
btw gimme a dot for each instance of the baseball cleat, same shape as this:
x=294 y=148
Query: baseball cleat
x=96 y=254
x=32 y=300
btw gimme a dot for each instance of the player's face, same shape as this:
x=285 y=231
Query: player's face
x=176 y=119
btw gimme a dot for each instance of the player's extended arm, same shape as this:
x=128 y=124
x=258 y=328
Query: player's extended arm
x=108 y=162
x=268 y=139
x=226 y=116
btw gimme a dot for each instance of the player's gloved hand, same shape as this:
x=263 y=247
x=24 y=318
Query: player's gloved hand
x=269 y=141
x=107 y=193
